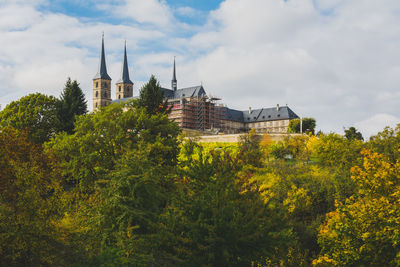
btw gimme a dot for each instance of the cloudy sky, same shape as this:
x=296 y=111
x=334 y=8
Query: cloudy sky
x=335 y=60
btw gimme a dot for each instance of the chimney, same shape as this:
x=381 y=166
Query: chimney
x=277 y=107
x=249 y=110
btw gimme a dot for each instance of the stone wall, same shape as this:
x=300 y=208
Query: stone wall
x=233 y=138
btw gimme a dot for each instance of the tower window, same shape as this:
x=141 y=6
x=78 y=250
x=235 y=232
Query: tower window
x=119 y=96
x=96 y=105
x=105 y=84
x=127 y=89
x=97 y=84
x=97 y=94
x=105 y=94
x=119 y=88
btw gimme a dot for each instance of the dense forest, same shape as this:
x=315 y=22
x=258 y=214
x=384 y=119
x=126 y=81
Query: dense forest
x=123 y=187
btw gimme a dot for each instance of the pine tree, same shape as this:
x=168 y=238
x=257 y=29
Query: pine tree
x=72 y=103
x=152 y=97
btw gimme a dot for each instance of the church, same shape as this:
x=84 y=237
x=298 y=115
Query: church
x=191 y=107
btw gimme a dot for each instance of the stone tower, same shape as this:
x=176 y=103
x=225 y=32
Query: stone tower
x=124 y=84
x=101 y=83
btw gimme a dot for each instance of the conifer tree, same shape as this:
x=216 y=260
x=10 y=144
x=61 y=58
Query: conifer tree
x=72 y=103
x=152 y=97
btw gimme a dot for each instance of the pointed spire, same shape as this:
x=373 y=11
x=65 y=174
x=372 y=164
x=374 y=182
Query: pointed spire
x=125 y=71
x=102 y=72
x=174 y=82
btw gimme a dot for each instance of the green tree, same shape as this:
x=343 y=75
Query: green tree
x=217 y=219
x=333 y=150
x=308 y=125
x=352 y=133
x=72 y=104
x=151 y=97
x=387 y=143
x=101 y=138
x=29 y=204
x=133 y=199
x=250 y=151
x=35 y=112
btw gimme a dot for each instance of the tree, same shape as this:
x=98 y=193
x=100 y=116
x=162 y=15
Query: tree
x=72 y=103
x=35 y=112
x=217 y=218
x=364 y=230
x=352 y=133
x=152 y=97
x=101 y=138
x=29 y=204
x=387 y=143
x=308 y=125
x=133 y=199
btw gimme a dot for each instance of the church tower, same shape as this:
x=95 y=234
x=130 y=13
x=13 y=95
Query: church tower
x=101 y=83
x=124 y=84
x=174 y=82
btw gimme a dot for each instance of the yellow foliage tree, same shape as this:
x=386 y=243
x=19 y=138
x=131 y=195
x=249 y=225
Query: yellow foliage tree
x=365 y=230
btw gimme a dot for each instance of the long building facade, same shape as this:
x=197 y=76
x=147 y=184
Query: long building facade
x=191 y=107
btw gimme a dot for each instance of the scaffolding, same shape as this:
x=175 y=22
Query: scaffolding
x=197 y=113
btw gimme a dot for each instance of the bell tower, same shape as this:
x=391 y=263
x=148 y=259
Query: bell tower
x=101 y=83
x=124 y=84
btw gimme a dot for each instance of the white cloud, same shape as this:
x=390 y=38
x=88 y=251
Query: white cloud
x=337 y=61
x=187 y=11
x=331 y=67
x=376 y=123
x=150 y=11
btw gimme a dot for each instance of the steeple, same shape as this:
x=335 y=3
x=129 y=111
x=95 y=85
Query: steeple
x=101 y=83
x=125 y=72
x=102 y=72
x=124 y=84
x=174 y=82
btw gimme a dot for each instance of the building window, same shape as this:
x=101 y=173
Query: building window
x=105 y=84
x=119 y=96
x=119 y=88
x=97 y=84
x=105 y=94
x=127 y=89
x=97 y=94
x=96 y=105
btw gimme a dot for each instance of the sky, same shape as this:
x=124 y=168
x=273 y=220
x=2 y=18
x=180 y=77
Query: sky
x=335 y=60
